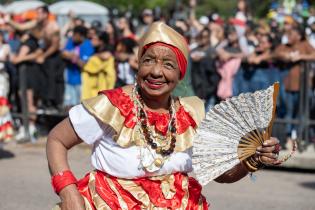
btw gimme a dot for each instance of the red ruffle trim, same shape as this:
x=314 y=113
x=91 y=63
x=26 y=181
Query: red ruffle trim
x=4 y=102
x=160 y=120
x=6 y=131
x=6 y=126
x=151 y=187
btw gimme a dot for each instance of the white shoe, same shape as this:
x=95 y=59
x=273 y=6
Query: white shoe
x=33 y=132
x=20 y=134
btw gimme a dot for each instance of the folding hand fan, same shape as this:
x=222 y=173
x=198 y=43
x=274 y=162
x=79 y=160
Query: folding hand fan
x=231 y=132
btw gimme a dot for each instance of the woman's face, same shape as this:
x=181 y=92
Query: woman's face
x=241 y=5
x=205 y=38
x=158 y=72
x=109 y=28
x=294 y=37
x=232 y=37
x=96 y=42
x=264 y=43
x=91 y=33
x=122 y=23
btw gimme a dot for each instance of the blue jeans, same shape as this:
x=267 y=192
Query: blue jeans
x=240 y=84
x=72 y=95
x=292 y=104
x=263 y=78
x=255 y=79
x=282 y=109
x=210 y=103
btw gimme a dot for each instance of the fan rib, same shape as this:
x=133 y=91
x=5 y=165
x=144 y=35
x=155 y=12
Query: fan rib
x=258 y=133
x=255 y=138
x=248 y=140
x=275 y=96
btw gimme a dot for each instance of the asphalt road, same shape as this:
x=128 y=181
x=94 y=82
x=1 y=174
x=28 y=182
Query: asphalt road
x=25 y=184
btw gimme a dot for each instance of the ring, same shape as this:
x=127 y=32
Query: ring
x=277 y=148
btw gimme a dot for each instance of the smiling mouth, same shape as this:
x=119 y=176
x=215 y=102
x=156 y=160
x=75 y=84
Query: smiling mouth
x=154 y=84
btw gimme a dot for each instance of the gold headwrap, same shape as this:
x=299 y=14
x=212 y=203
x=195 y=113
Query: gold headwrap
x=160 y=32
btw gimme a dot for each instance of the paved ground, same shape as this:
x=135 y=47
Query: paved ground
x=25 y=184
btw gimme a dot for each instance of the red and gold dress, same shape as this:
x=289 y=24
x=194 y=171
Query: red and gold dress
x=127 y=174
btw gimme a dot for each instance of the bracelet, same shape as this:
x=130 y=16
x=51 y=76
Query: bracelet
x=62 y=179
x=252 y=165
x=249 y=166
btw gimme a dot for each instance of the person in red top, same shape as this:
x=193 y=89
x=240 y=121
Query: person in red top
x=125 y=28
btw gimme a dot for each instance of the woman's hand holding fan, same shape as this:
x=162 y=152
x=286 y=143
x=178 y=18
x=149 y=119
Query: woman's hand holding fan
x=237 y=130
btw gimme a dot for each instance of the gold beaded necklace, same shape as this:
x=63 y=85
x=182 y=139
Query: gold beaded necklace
x=164 y=148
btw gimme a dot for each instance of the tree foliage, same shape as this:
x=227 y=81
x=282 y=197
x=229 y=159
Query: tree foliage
x=136 y=6
x=226 y=8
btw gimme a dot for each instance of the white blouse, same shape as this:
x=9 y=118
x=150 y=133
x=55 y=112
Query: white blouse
x=115 y=160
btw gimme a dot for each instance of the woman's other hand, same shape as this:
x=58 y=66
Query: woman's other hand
x=268 y=153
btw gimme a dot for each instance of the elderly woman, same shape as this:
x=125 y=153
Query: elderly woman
x=141 y=137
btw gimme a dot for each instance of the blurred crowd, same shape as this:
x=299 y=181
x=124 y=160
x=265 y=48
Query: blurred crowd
x=228 y=56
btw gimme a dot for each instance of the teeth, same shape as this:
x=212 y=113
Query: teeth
x=155 y=83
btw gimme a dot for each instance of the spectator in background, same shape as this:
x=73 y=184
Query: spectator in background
x=259 y=65
x=147 y=18
x=14 y=39
x=96 y=26
x=14 y=42
x=26 y=59
x=310 y=31
x=228 y=64
x=125 y=29
x=67 y=29
x=204 y=76
x=242 y=13
x=288 y=24
x=290 y=57
x=216 y=26
x=99 y=72
x=42 y=23
x=52 y=65
x=195 y=25
x=125 y=52
x=77 y=52
x=184 y=27
x=112 y=32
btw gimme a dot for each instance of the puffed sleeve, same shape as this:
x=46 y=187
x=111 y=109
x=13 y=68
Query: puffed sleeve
x=87 y=127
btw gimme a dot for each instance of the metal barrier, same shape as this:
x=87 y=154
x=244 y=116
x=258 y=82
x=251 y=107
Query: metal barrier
x=24 y=115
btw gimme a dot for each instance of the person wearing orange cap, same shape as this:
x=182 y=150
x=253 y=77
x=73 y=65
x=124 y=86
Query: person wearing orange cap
x=141 y=137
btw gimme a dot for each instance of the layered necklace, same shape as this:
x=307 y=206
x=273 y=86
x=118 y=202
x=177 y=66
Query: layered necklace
x=162 y=145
